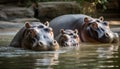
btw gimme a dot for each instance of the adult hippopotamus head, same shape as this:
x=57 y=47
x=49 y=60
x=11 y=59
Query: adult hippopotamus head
x=68 y=38
x=36 y=37
x=98 y=30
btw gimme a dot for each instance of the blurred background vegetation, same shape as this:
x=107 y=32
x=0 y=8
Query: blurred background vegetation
x=106 y=8
x=86 y=6
x=101 y=3
x=92 y=7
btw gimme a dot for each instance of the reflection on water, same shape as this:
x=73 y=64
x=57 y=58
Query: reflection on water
x=87 y=56
x=91 y=57
x=29 y=61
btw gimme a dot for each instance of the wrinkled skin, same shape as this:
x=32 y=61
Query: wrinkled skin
x=37 y=37
x=89 y=29
x=68 y=38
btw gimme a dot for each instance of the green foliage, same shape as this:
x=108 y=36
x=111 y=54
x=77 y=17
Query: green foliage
x=101 y=2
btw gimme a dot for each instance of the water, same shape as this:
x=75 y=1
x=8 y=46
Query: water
x=87 y=56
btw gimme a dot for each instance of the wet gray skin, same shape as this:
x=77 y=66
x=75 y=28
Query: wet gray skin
x=89 y=29
x=68 y=38
x=100 y=31
x=37 y=37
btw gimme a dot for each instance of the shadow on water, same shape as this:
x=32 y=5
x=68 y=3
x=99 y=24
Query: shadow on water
x=87 y=56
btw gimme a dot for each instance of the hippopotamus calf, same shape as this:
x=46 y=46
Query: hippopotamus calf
x=68 y=38
x=36 y=36
x=89 y=29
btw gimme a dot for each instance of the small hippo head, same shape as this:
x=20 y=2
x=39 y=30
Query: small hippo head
x=39 y=37
x=99 y=30
x=68 y=38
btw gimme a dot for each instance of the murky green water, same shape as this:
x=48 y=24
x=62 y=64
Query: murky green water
x=87 y=56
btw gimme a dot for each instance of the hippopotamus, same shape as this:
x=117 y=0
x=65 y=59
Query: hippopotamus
x=35 y=36
x=68 y=38
x=89 y=29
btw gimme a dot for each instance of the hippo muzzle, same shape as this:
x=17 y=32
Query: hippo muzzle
x=45 y=46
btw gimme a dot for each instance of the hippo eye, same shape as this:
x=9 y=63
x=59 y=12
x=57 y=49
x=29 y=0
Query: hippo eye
x=48 y=29
x=33 y=40
x=40 y=26
x=71 y=34
x=106 y=23
x=97 y=20
x=75 y=36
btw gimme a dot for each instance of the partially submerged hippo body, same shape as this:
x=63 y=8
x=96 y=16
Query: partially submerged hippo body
x=68 y=38
x=89 y=29
x=36 y=36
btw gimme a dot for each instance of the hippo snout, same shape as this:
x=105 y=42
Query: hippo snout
x=110 y=38
x=116 y=38
x=113 y=37
x=106 y=38
x=53 y=45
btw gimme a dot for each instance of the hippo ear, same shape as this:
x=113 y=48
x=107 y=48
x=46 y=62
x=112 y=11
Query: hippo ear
x=62 y=31
x=86 y=20
x=27 y=25
x=101 y=18
x=76 y=31
x=46 y=23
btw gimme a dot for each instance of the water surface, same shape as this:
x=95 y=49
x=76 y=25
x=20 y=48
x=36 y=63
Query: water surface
x=87 y=56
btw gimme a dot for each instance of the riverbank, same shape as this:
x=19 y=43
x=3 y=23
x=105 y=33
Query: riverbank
x=14 y=17
x=19 y=23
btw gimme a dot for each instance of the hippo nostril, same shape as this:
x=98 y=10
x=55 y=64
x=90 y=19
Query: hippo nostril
x=40 y=44
x=106 y=35
x=66 y=44
x=54 y=42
